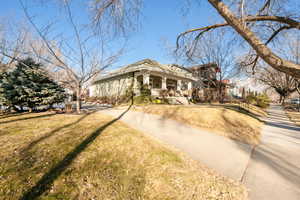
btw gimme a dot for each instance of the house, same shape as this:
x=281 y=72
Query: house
x=199 y=82
x=158 y=77
x=205 y=73
x=207 y=87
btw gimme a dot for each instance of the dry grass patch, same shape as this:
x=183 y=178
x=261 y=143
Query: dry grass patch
x=47 y=156
x=227 y=120
x=251 y=109
x=294 y=116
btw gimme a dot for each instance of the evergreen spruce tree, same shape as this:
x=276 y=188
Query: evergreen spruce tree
x=29 y=85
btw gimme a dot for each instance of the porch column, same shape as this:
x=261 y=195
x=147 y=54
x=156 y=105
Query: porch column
x=189 y=85
x=179 y=84
x=164 y=83
x=135 y=83
x=146 y=79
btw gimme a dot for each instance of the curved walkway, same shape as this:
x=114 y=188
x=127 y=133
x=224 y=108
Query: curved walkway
x=270 y=171
x=274 y=169
x=226 y=156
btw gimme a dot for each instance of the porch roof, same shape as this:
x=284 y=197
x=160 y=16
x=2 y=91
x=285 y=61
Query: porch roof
x=150 y=65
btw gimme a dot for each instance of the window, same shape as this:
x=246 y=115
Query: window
x=171 y=84
x=184 y=85
x=155 y=82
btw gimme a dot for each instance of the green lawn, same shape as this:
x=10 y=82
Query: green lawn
x=92 y=156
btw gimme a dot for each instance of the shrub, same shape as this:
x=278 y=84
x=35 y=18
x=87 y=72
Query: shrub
x=251 y=99
x=91 y=99
x=262 y=104
x=160 y=101
x=164 y=93
x=145 y=95
x=261 y=100
x=145 y=91
x=157 y=101
x=142 y=99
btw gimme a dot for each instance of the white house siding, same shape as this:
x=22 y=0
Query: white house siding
x=115 y=86
x=117 y=82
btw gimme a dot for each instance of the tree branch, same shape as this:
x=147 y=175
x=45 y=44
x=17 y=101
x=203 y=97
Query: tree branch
x=285 y=20
x=261 y=49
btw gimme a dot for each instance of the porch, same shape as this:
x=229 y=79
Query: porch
x=158 y=82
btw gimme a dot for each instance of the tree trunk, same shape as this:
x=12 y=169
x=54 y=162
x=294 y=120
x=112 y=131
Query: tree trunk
x=78 y=99
x=298 y=104
x=261 y=49
x=220 y=88
x=283 y=101
x=298 y=90
x=220 y=94
x=280 y=99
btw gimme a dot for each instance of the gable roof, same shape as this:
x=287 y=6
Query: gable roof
x=151 y=65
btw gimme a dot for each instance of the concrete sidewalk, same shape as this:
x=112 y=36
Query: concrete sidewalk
x=274 y=169
x=226 y=156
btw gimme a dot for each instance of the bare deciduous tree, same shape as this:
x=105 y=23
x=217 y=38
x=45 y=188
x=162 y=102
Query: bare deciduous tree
x=75 y=53
x=117 y=16
x=258 y=23
x=283 y=84
x=215 y=49
x=293 y=53
x=270 y=16
x=10 y=50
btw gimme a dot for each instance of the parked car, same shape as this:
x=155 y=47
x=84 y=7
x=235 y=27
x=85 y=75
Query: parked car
x=295 y=101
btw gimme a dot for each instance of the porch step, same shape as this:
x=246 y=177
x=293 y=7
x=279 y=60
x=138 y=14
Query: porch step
x=178 y=100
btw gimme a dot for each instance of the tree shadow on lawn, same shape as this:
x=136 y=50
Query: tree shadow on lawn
x=168 y=114
x=46 y=136
x=165 y=115
x=26 y=118
x=4 y=116
x=47 y=179
x=278 y=163
x=238 y=109
x=273 y=159
x=243 y=111
x=275 y=156
x=283 y=125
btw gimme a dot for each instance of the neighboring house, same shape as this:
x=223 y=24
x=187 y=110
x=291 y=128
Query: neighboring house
x=206 y=75
x=208 y=87
x=158 y=77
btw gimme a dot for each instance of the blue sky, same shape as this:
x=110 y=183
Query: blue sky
x=162 y=24
x=161 y=20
